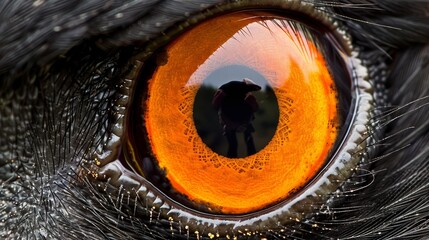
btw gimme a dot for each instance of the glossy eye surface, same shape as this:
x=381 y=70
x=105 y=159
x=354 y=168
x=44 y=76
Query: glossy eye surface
x=257 y=76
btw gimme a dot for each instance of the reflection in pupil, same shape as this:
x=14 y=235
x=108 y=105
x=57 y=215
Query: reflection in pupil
x=235 y=117
x=236 y=105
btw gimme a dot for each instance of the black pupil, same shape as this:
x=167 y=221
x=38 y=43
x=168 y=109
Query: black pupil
x=236 y=111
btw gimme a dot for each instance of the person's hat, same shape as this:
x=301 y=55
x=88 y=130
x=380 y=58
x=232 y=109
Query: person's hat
x=252 y=84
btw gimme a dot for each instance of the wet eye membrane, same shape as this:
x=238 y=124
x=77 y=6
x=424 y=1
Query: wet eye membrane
x=240 y=112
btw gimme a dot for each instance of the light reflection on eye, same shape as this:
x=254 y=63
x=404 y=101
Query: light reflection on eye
x=288 y=62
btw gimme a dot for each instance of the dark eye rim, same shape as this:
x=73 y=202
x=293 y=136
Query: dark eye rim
x=362 y=97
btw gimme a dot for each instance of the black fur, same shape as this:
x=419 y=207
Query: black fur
x=60 y=62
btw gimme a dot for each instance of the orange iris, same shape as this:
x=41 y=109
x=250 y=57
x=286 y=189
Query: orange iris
x=308 y=120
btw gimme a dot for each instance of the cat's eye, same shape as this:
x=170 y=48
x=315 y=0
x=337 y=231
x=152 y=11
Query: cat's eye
x=244 y=114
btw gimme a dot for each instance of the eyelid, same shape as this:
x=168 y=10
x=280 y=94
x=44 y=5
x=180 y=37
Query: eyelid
x=336 y=171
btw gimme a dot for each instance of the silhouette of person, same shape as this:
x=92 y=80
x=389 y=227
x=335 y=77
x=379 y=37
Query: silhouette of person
x=236 y=106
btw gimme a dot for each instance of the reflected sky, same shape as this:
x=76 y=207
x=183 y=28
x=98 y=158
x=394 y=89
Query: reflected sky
x=266 y=47
x=234 y=73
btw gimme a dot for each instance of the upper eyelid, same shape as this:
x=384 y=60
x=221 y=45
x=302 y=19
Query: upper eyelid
x=54 y=28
